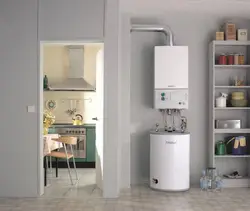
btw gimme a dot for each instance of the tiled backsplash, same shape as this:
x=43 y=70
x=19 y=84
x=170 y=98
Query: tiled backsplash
x=84 y=102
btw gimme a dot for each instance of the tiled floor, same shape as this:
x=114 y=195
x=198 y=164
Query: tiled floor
x=61 y=187
x=86 y=197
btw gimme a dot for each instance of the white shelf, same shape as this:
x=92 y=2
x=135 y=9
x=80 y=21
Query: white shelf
x=231 y=66
x=242 y=130
x=232 y=87
x=236 y=183
x=232 y=156
x=231 y=42
x=233 y=108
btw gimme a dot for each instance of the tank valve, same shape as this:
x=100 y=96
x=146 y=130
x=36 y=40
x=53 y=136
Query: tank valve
x=155 y=181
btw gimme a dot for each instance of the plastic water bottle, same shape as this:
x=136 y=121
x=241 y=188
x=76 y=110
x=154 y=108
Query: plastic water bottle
x=203 y=181
x=219 y=182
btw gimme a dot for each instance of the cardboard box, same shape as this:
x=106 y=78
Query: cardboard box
x=220 y=36
x=242 y=34
x=230 y=31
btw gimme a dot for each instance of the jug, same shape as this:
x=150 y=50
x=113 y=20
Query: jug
x=220 y=148
x=221 y=101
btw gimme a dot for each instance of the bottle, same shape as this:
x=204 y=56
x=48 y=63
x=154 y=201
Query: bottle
x=45 y=82
x=219 y=182
x=203 y=181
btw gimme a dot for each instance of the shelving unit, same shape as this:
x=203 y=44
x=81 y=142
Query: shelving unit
x=232 y=87
x=232 y=108
x=219 y=81
x=232 y=66
x=229 y=131
x=232 y=156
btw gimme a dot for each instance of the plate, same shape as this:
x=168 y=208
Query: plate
x=51 y=105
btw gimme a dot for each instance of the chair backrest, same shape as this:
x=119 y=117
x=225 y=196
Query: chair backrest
x=66 y=140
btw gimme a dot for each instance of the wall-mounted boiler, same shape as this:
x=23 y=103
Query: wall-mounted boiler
x=171 y=77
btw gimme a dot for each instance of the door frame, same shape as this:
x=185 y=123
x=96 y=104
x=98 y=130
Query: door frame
x=40 y=179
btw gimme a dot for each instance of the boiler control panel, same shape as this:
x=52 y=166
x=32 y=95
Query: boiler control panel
x=171 y=99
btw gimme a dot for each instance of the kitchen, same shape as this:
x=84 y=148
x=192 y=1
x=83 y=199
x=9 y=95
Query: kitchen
x=70 y=100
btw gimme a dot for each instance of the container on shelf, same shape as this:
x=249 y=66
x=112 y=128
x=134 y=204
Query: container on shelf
x=242 y=34
x=220 y=148
x=221 y=102
x=230 y=31
x=236 y=59
x=230 y=59
x=239 y=103
x=241 y=59
x=238 y=81
x=220 y=36
x=224 y=124
x=222 y=59
x=237 y=145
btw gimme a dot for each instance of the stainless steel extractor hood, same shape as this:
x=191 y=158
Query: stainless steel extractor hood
x=75 y=80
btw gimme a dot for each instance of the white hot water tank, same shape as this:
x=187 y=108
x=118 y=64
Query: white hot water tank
x=169 y=161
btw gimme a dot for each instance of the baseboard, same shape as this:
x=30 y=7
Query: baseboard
x=78 y=164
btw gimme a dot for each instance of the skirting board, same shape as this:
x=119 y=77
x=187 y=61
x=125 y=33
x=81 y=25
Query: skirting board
x=78 y=164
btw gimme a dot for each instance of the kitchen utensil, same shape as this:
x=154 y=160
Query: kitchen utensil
x=221 y=101
x=220 y=148
x=227 y=124
x=77 y=119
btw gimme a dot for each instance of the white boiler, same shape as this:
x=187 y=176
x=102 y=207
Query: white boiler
x=171 y=77
x=169 y=161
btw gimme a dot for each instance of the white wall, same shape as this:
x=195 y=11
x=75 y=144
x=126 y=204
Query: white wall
x=74 y=19
x=18 y=79
x=111 y=112
x=194 y=27
x=124 y=101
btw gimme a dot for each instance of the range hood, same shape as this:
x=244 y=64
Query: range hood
x=75 y=80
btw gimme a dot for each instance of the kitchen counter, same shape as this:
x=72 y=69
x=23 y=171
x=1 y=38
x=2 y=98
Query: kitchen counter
x=73 y=126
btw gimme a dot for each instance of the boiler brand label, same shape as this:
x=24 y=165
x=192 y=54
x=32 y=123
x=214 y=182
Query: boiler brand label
x=170 y=142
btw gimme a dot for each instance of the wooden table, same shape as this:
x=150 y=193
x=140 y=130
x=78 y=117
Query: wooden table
x=48 y=146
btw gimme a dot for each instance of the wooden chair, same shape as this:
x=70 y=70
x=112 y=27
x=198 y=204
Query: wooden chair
x=66 y=140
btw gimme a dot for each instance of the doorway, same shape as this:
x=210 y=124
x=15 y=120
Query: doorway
x=76 y=112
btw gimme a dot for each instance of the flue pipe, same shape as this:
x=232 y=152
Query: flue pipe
x=154 y=28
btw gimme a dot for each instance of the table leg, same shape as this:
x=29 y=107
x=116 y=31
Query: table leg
x=45 y=170
x=56 y=167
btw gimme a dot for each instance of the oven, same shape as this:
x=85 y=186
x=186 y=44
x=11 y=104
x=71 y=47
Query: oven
x=78 y=132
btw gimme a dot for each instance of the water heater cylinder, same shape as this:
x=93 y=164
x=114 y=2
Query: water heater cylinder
x=169 y=161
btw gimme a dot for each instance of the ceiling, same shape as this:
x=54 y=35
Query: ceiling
x=239 y=8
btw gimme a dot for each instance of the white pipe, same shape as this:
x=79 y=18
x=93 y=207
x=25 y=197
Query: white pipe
x=154 y=28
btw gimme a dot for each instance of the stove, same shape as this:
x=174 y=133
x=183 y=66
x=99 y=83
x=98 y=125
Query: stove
x=74 y=131
x=70 y=131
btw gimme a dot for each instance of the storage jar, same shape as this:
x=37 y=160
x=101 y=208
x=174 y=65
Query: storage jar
x=222 y=59
x=241 y=59
x=230 y=59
